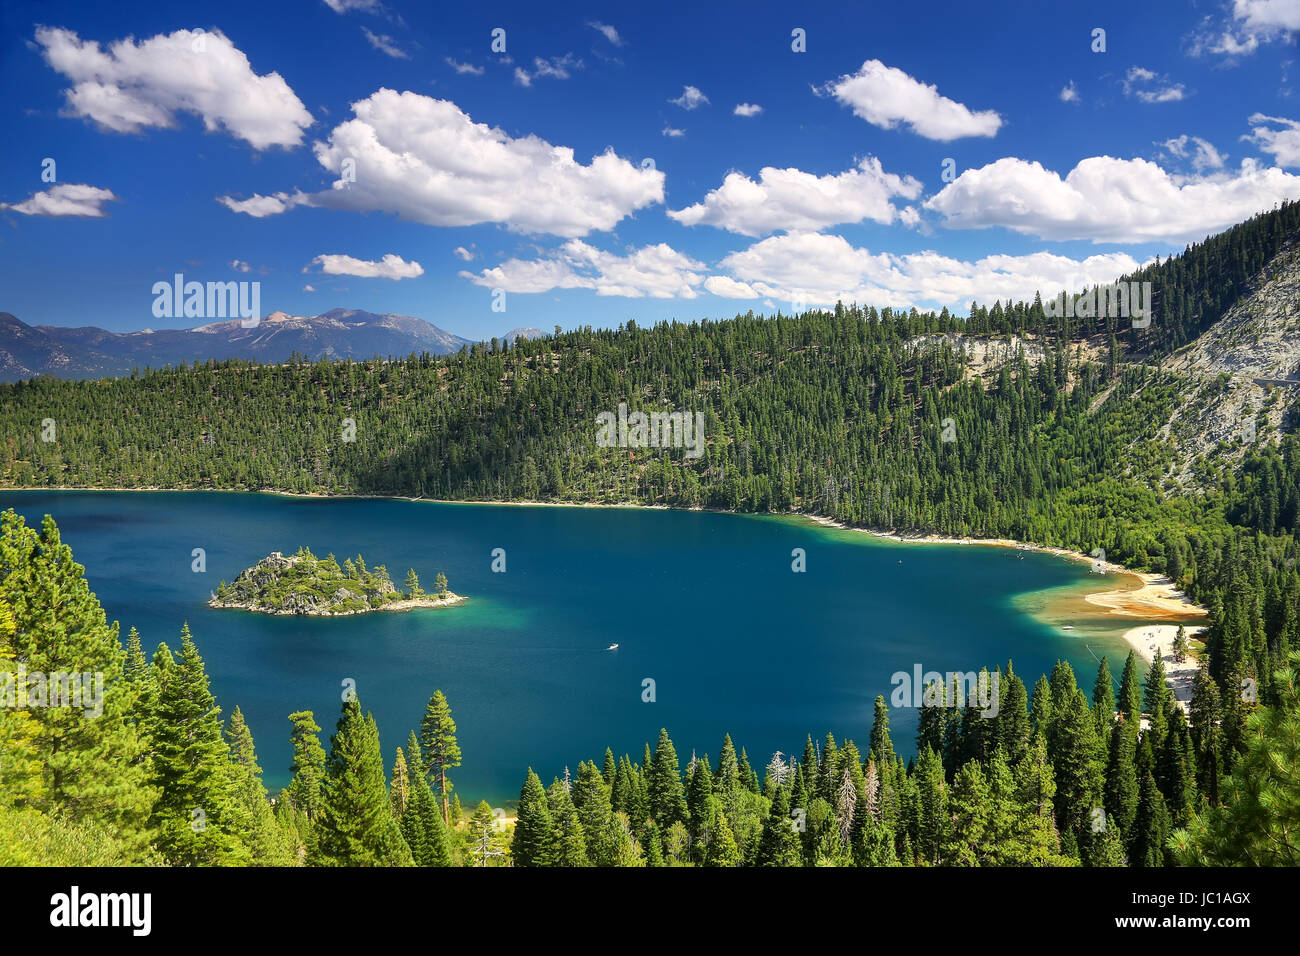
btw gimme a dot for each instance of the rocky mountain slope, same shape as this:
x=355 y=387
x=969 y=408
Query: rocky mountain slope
x=1242 y=375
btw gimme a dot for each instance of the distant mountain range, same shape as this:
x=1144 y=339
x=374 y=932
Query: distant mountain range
x=88 y=352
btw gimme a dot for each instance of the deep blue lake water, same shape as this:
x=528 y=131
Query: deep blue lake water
x=704 y=604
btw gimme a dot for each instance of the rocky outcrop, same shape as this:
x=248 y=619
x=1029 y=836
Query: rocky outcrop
x=303 y=584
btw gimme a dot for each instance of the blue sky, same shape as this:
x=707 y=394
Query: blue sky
x=577 y=171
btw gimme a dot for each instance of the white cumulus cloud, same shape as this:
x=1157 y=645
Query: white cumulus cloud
x=1200 y=152
x=389 y=267
x=747 y=109
x=791 y=199
x=425 y=160
x=1108 y=199
x=814 y=268
x=822 y=269
x=1251 y=23
x=657 y=271
x=557 y=67
x=259 y=207
x=690 y=99
x=65 y=199
x=343 y=6
x=1278 y=136
x=131 y=86
x=885 y=96
x=1149 y=87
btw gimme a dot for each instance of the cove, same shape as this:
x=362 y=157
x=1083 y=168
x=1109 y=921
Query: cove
x=704 y=604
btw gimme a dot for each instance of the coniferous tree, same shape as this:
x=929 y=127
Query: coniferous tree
x=421 y=824
x=399 y=791
x=308 y=768
x=664 y=784
x=1158 y=699
x=20 y=764
x=654 y=852
x=89 y=750
x=1151 y=827
x=1121 y=795
x=779 y=845
x=1207 y=734
x=1040 y=707
x=933 y=819
x=413 y=584
x=727 y=780
x=1103 y=701
x=1130 y=693
x=1260 y=814
x=591 y=800
x=534 y=842
x=748 y=776
x=195 y=818
x=1014 y=729
x=356 y=825
x=438 y=747
x=570 y=842
x=1077 y=757
x=256 y=826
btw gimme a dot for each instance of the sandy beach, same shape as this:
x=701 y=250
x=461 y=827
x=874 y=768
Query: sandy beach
x=1152 y=598
x=1152 y=639
x=1157 y=597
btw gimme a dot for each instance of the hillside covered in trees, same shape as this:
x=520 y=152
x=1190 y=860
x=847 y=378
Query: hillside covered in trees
x=873 y=417
x=860 y=415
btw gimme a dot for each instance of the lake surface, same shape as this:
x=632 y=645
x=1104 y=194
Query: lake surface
x=706 y=605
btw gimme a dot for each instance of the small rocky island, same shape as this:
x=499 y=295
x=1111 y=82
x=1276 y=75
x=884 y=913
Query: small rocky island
x=306 y=584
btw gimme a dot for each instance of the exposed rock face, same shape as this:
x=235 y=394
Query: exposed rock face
x=1242 y=374
x=1259 y=336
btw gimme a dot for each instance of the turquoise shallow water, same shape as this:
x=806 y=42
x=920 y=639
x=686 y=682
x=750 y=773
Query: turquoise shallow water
x=704 y=604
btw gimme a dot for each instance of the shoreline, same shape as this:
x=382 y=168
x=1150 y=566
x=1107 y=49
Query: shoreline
x=1152 y=639
x=1155 y=597
x=451 y=599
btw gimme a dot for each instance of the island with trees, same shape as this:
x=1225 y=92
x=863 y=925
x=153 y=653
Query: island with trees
x=304 y=584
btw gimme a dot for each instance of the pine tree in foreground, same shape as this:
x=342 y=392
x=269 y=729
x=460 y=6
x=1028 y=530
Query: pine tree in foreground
x=90 y=767
x=256 y=823
x=534 y=838
x=421 y=823
x=1260 y=816
x=356 y=825
x=196 y=816
x=438 y=747
x=308 y=767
